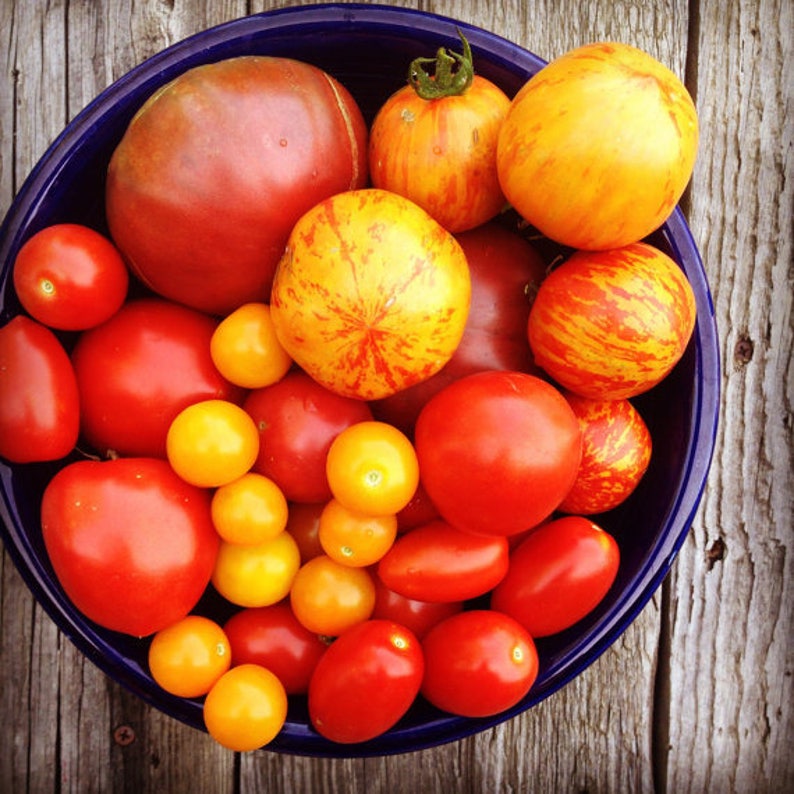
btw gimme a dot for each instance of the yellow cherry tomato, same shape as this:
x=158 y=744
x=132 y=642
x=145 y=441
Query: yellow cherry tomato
x=212 y=443
x=246 y=350
x=372 y=468
x=328 y=597
x=249 y=510
x=354 y=538
x=187 y=658
x=256 y=575
x=246 y=708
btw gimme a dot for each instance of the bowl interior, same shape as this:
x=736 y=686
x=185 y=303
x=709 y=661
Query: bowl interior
x=368 y=48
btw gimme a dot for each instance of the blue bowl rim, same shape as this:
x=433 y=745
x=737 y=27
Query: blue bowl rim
x=297 y=738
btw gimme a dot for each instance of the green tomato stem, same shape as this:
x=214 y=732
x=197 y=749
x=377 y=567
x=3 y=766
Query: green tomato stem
x=451 y=75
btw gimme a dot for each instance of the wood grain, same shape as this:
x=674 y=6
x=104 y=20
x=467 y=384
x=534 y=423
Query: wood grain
x=696 y=695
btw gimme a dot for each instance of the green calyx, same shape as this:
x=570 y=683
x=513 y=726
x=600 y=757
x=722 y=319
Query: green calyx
x=451 y=75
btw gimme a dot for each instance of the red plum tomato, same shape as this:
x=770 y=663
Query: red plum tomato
x=365 y=682
x=39 y=400
x=478 y=663
x=70 y=277
x=139 y=370
x=131 y=543
x=498 y=451
x=558 y=575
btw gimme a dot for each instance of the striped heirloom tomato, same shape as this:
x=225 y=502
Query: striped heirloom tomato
x=612 y=324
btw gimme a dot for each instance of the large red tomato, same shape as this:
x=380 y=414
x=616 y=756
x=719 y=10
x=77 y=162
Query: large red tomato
x=39 y=402
x=558 y=575
x=505 y=271
x=138 y=370
x=372 y=294
x=132 y=545
x=598 y=146
x=498 y=451
x=297 y=420
x=217 y=166
x=612 y=324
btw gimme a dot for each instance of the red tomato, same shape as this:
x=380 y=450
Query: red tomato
x=437 y=562
x=498 y=451
x=598 y=146
x=138 y=370
x=418 y=616
x=39 y=403
x=132 y=544
x=70 y=277
x=365 y=682
x=559 y=574
x=505 y=270
x=616 y=452
x=434 y=141
x=298 y=419
x=610 y=325
x=216 y=168
x=273 y=638
x=420 y=510
x=478 y=663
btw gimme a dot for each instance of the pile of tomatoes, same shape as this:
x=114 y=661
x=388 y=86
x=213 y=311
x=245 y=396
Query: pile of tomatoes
x=323 y=371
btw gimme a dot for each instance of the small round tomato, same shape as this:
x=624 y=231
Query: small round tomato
x=187 y=658
x=246 y=350
x=39 y=399
x=297 y=419
x=437 y=562
x=246 y=708
x=498 y=451
x=434 y=141
x=256 y=575
x=303 y=523
x=70 y=277
x=478 y=663
x=371 y=295
x=372 y=468
x=328 y=597
x=354 y=538
x=612 y=324
x=273 y=637
x=139 y=369
x=251 y=509
x=365 y=682
x=212 y=443
x=418 y=616
x=557 y=575
x=616 y=452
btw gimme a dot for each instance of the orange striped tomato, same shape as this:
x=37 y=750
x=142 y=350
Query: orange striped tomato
x=612 y=324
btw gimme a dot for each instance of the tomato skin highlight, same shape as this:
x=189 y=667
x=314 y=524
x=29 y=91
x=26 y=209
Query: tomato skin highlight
x=131 y=543
x=512 y=465
x=365 y=682
x=478 y=663
x=437 y=562
x=610 y=325
x=39 y=399
x=558 y=575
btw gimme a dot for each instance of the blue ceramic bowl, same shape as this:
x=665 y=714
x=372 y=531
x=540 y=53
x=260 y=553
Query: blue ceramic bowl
x=368 y=48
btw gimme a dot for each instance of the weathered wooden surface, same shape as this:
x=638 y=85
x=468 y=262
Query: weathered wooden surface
x=696 y=695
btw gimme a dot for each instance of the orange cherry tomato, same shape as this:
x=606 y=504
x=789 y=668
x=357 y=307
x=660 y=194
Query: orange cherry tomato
x=249 y=510
x=354 y=538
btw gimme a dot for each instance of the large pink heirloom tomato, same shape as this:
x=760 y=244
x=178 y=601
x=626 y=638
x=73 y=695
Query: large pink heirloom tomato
x=598 y=146
x=217 y=166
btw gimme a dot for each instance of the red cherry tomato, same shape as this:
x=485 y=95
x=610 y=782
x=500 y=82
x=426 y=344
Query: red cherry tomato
x=437 y=562
x=498 y=451
x=39 y=403
x=131 y=543
x=70 y=277
x=478 y=663
x=138 y=370
x=274 y=638
x=297 y=420
x=557 y=575
x=365 y=682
